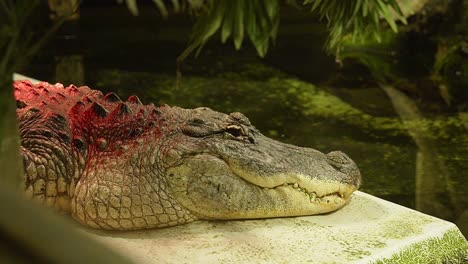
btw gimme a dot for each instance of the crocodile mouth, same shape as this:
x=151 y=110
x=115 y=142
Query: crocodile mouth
x=337 y=197
x=320 y=195
x=218 y=188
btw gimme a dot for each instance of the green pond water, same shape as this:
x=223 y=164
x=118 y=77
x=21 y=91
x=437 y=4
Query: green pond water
x=421 y=163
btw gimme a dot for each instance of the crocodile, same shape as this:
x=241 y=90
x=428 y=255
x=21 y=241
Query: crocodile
x=124 y=165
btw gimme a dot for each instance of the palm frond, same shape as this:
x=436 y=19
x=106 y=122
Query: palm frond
x=356 y=19
x=236 y=19
x=258 y=20
x=177 y=6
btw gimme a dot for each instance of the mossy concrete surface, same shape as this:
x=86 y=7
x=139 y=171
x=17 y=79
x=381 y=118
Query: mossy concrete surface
x=367 y=230
x=18 y=76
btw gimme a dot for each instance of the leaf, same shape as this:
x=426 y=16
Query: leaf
x=315 y=5
x=261 y=23
x=176 y=5
x=239 y=24
x=215 y=20
x=365 y=8
x=275 y=22
x=132 y=7
x=251 y=21
x=162 y=7
x=226 y=30
x=207 y=24
x=262 y=48
x=357 y=6
x=355 y=18
x=263 y=19
x=388 y=17
x=377 y=36
x=399 y=10
x=257 y=21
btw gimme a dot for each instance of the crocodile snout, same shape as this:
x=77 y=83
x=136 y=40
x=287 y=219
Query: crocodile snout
x=345 y=165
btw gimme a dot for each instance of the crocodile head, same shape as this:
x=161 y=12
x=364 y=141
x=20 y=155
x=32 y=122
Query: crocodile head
x=222 y=167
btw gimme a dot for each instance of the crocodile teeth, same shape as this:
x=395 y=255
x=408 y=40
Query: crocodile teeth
x=312 y=196
x=337 y=200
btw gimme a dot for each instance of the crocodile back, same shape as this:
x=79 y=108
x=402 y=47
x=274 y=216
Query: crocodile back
x=63 y=128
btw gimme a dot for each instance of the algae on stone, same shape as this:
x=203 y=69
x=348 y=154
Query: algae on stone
x=451 y=248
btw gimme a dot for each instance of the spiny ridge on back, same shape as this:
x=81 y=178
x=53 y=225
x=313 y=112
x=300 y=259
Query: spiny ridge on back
x=88 y=113
x=45 y=96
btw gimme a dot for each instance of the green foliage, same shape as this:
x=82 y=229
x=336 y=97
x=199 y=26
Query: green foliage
x=379 y=56
x=236 y=19
x=451 y=70
x=17 y=44
x=259 y=20
x=357 y=19
x=256 y=19
x=17 y=41
x=13 y=18
x=177 y=5
x=13 y=36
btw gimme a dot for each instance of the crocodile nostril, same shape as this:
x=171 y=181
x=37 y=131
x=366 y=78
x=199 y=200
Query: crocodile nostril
x=344 y=164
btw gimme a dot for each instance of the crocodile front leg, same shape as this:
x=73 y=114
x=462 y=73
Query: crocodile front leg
x=126 y=193
x=51 y=169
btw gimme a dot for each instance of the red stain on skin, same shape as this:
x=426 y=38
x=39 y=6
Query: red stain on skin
x=102 y=123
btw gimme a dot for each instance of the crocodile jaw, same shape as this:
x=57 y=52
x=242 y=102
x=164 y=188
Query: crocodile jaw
x=309 y=196
x=210 y=188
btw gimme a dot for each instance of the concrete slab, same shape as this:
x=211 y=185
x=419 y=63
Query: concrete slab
x=367 y=230
x=18 y=76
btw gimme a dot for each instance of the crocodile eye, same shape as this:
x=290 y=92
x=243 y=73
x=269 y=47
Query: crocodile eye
x=196 y=122
x=198 y=128
x=235 y=131
x=240 y=118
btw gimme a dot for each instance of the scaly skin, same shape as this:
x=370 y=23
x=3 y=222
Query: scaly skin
x=125 y=166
